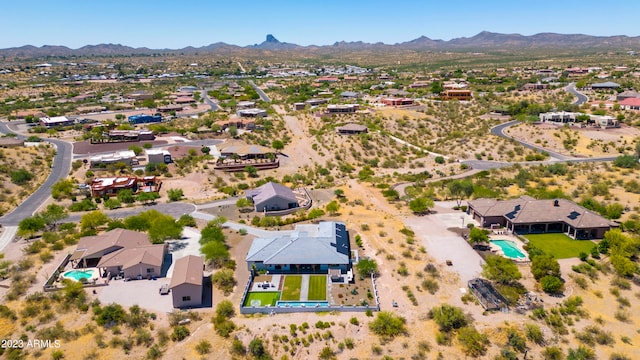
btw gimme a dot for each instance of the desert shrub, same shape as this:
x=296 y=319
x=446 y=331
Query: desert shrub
x=388 y=324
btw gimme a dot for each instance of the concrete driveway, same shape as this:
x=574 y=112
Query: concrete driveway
x=188 y=245
x=443 y=245
x=143 y=293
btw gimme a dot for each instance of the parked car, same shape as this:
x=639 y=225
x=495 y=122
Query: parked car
x=164 y=289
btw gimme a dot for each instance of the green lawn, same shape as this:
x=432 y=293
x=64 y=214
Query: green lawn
x=291 y=288
x=265 y=298
x=560 y=245
x=318 y=287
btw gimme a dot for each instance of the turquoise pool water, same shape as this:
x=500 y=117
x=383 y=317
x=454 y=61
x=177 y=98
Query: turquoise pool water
x=309 y=304
x=77 y=275
x=509 y=249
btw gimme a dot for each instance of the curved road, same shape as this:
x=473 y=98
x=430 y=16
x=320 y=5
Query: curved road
x=212 y=104
x=263 y=96
x=498 y=130
x=60 y=169
x=581 y=98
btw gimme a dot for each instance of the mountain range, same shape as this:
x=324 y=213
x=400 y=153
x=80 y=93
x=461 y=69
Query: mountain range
x=483 y=41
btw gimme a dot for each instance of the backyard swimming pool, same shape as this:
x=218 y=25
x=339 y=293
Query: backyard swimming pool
x=509 y=249
x=79 y=274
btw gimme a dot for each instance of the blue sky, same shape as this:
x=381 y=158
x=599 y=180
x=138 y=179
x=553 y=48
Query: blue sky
x=176 y=24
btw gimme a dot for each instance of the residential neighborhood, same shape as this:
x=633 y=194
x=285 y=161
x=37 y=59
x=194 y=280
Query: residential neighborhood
x=475 y=197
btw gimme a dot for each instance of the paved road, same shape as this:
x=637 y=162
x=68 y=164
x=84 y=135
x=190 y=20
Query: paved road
x=581 y=98
x=175 y=209
x=498 y=130
x=60 y=169
x=263 y=96
x=212 y=104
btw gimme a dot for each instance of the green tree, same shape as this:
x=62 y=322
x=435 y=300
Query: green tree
x=112 y=203
x=244 y=205
x=256 y=348
x=62 y=189
x=187 y=220
x=215 y=252
x=136 y=149
x=147 y=197
x=21 y=176
x=552 y=284
x=473 y=342
x=180 y=333
x=448 y=317
x=251 y=171
x=164 y=228
x=367 y=267
x=477 y=235
x=28 y=227
x=53 y=214
x=126 y=196
x=205 y=150
x=175 y=194
x=626 y=161
x=93 y=220
x=544 y=265
x=388 y=325
x=277 y=145
x=500 y=270
x=110 y=315
x=332 y=207
x=460 y=189
x=421 y=205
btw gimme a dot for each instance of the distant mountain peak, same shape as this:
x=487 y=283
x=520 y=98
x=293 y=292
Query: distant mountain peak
x=272 y=39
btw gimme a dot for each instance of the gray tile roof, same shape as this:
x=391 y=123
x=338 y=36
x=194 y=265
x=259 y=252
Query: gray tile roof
x=270 y=190
x=308 y=244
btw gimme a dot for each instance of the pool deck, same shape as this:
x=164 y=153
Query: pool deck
x=508 y=237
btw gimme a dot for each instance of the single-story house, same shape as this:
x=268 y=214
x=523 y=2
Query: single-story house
x=527 y=215
x=460 y=94
x=272 y=197
x=110 y=186
x=397 y=101
x=316 y=102
x=608 y=85
x=128 y=157
x=351 y=128
x=342 y=108
x=255 y=112
x=350 y=94
x=630 y=104
x=242 y=150
x=50 y=122
x=310 y=248
x=159 y=156
x=140 y=262
x=186 y=281
x=120 y=251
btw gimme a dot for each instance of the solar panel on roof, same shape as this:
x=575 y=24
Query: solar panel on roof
x=342 y=239
x=573 y=215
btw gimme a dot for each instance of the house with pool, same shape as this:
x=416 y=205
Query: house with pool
x=310 y=248
x=120 y=252
x=526 y=215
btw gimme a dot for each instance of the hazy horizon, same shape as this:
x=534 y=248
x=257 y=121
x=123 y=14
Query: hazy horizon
x=167 y=24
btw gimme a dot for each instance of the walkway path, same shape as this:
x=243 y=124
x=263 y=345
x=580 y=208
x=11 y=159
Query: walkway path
x=8 y=233
x=304 y=288
x=237 y=226
x=400 y=141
